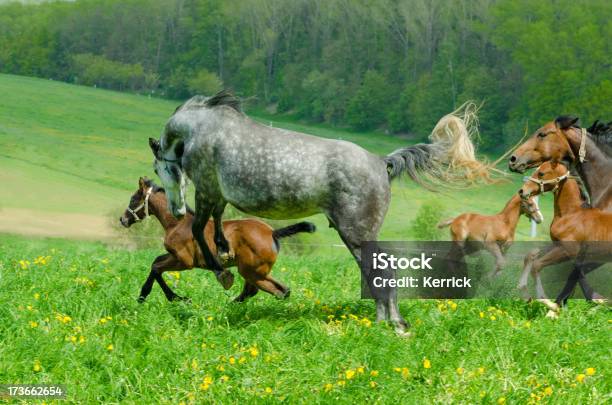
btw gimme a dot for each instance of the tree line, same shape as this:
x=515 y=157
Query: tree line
x=396 y=65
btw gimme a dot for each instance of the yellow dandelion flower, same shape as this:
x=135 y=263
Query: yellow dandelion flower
x=360 y=370
x=268 y=390
x=501 y=400
x=194 y=364
x=397 y=369
x=81 y=339
x=232 y=360
x=483 y=394
x=254 y=352
x=207 y=379
x=241 y=360
x=29 y=307
x=36 y=296
x=204 y=387
x=453 y=305
x=33 y=324
x=210 y=318
x=590 y=371
x=481 y=370
x=36 y=367
x=492 y=317
x=406 y=372
x=103 y=321
x=341 y=383
x=374 y=373
x=548 y=391
x=481 y=314
x=350 y=374
x=580 y=378
x=373 y=384
x=110 y=348
x=224 y=378
x=527 y=324
x=204 y=346
x=460 y=370
x=220 y=367
x=73 y=339
x=426 y=363
x=328 y=387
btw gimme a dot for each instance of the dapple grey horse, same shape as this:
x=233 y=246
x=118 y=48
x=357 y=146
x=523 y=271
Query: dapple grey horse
x=280 y=174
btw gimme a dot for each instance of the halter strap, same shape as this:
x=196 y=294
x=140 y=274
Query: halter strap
x=554 y=181
x=582 y=150
x=145 y=204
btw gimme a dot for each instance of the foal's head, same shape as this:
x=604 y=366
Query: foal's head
x=548 y=143
x=547 y=177
x=531 y=209
x=138 y=209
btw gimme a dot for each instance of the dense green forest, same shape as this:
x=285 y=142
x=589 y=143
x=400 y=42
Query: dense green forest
x=396 y=65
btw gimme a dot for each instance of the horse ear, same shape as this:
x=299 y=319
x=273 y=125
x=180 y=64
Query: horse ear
x=565 y=121
x=141 y=182
x=155 y=147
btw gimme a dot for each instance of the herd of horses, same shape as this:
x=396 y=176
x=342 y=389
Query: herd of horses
x=280 y=174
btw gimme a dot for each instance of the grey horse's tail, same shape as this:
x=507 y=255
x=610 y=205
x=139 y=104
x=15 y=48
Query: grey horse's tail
x=450 y=156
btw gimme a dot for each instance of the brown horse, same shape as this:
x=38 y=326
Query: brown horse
x=254 y=244
x=572 y=223
x=495 y=231
x=589 y=151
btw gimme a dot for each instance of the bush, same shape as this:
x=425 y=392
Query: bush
x=204 y=82
x=97 y=70
x=367 y=108
x=424 y=226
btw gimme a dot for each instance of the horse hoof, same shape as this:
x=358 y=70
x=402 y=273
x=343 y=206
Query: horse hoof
x=287 y=293
x=552 y=314
x=141 y=299
x=226 y=279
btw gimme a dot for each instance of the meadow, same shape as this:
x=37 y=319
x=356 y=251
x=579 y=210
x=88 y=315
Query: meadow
x=70 y=316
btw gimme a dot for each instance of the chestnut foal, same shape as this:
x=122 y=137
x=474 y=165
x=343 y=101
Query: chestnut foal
x=572 y=223
x=254 y=244
x=496 y=232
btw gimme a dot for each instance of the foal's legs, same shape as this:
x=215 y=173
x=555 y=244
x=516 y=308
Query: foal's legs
x=248 y=291
x=500 y=261
x=203 y=211
x=160 y=265
x=578 y=276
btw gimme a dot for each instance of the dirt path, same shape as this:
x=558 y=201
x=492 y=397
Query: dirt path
x=39 y=223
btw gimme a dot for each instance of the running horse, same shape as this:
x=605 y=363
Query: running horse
x=280 y=174
x=589 y=151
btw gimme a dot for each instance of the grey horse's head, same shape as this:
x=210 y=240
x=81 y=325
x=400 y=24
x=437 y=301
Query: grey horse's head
x=167 y=166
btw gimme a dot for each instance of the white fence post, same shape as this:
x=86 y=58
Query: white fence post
x=534 y=230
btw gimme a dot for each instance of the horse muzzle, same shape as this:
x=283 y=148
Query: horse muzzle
x=125 y=222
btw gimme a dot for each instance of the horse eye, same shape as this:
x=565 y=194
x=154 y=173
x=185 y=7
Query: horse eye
x=540 y=174
x=542 y=134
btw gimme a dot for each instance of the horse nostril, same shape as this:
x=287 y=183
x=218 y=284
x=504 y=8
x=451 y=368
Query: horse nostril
x=521 y=191
x=513 y=158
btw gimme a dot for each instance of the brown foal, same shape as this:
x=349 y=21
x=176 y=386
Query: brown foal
x=254 y=245
x=496 y=232
x=571 y=223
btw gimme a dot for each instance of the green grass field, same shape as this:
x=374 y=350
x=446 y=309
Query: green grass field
x=73 y=319
x=70 y=314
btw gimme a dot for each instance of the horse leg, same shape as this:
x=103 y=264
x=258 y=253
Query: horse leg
x=160 y=265
x=387 y=307
x=248 y=291
x=203 y=211
x=553 y=255
x=222 y=244
x=578 y=276
x=494 y=249
x=527 y=266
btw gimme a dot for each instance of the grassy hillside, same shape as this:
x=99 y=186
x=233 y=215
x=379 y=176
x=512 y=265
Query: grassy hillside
x=75 y=149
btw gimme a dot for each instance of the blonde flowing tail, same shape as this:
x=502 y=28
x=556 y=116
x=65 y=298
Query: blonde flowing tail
x=450 y=158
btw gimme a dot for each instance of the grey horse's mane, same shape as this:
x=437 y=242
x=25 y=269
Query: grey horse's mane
x=224 y=97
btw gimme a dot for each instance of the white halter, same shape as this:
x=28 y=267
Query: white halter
x=582 y=150
x=145 y=204
x=554 y=181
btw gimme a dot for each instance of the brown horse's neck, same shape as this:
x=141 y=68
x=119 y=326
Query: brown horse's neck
x=158 y=207
x=567 y=198
x=512 y=212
